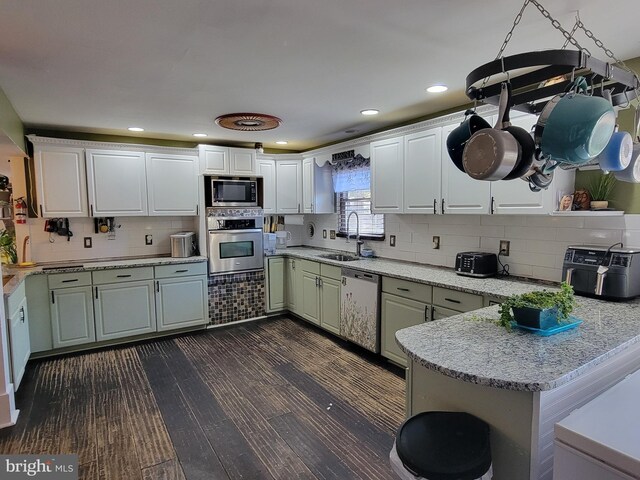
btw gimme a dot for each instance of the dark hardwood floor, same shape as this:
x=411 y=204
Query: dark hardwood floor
x=271 y=399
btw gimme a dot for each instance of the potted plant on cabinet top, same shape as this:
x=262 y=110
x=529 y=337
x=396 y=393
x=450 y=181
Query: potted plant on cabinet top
x=8 y=247
x=600 y=190
x=539 y=310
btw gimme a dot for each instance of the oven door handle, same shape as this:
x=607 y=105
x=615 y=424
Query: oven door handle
x=241 y=230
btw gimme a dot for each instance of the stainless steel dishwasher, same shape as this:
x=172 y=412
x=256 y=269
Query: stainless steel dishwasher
x=359 y=312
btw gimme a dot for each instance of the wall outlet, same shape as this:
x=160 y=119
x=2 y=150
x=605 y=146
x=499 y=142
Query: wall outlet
x=436 y=242
x=324 y=233
x=504 y=247
x=87 y=242
x=148 y=239
x=392 y=240
x=332 y=234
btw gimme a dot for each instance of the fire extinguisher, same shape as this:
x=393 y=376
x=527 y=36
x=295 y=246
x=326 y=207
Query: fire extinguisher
x=21 y=211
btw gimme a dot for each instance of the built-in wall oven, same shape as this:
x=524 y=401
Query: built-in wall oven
x=235 y=240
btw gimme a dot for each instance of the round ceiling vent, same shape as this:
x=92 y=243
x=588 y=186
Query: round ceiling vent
x=248 y=122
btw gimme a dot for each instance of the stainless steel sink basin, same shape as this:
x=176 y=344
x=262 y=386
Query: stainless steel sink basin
x=340 y=257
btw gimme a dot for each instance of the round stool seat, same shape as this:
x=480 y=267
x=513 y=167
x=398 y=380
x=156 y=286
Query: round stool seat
x=444 y=446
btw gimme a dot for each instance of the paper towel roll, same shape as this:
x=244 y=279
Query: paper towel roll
x=294 y=219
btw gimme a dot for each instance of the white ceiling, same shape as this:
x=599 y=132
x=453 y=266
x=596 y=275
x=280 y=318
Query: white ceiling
x=172 y=66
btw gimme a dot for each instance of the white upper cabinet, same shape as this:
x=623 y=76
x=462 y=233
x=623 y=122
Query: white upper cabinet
x=61 y=181
x=172 y=184
x=422 y=166
x=317 y=188
x=289 y=186
x=267 y=170
x=387 y=182
x=117 y=183
x=460 y=192
x=214 y=160
x=242 y=161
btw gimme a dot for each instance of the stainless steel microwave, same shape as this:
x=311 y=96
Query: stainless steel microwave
x=234 y=193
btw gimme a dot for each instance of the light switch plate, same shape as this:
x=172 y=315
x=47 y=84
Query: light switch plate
x=436 y=242
x=87 y=242
x=324 y=233
x=332 y=234
x=148 y=239
x=392 y=240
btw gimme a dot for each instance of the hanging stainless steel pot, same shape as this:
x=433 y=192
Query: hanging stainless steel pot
x=574 y=127
x=460 y=135
x=492 y=153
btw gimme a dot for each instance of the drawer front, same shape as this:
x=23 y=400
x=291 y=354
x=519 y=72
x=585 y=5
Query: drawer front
x=441 y=312
x=311 y=267
x=15 y=299
x=122 y=275
x=406 y=289
x=460 y=301
x=330 y=271
x=66 y=280
x=181 y=270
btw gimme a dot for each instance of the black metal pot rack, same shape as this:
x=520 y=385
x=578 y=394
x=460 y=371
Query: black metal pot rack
x=529 y=71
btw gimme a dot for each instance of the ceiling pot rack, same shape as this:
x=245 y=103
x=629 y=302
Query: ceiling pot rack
x=531 y=73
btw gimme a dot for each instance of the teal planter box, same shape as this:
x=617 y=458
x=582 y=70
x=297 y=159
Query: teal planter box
x=536 y=318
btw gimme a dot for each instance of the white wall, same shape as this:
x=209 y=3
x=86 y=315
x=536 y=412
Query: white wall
x=129 y=241
x=538 y=243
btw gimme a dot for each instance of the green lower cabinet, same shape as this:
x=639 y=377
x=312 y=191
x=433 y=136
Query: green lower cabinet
x=310 y=297
x=275 y=284
x=181 y=302
x=124 y=309
x=399 y=313
x=72 y=316
x=293 y=285
x=330 y=304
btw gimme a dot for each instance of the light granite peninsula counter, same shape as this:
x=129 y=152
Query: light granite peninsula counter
x=520 y=383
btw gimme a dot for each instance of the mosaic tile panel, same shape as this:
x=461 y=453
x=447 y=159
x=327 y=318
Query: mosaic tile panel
x=237 y=296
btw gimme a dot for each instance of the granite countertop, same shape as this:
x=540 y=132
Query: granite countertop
x=431 y=275
x=470 y=347
x=19 y=274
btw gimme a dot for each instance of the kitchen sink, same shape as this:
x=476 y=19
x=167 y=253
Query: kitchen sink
x=340 y=257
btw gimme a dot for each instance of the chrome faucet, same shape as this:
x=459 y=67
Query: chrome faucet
x=359 y=242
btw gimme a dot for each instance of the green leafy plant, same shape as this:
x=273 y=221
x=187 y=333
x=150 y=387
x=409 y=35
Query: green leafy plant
x=8 y=246
x=602 y=187
x=564 y=300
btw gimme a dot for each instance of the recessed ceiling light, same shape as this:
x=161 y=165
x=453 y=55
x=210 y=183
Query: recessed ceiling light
x=136 y=129
x=370 y=111
x=281 y=142
x=199 y=134
x=437 y=88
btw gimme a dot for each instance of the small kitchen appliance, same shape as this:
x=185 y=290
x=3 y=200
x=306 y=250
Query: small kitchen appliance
x=269 y=243
x=605 y=272
x=183 y=244
x=282 y=238
x=476 y=264
x=234 y=192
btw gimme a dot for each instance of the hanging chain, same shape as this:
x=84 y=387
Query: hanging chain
x=600 y=45
x=556 y=24
x=516 y=21
x=573 y=31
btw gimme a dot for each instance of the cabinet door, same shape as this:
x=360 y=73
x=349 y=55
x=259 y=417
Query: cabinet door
x=330 y=304
x=460 y=192
x=62 y=183
x=267 y=169
x=172 y=184
x=307 y=185
x=242 y=161
x=310 y=297
x=399 y=313
x=275 y=279
x=19 y=341
x=72 y=316
x=289 y=186
x=387 y=178
x=293 y=285
x=181 y=302
x=214 y=160
x=124 y=309
x=515 y=196
x=117 y=183
x=422 y=171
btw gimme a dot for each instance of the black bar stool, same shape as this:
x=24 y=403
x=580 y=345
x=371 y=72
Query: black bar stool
x=442 y=446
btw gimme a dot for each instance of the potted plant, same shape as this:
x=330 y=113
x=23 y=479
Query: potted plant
x=542 y=310
x=8 y=247
x=600 y=190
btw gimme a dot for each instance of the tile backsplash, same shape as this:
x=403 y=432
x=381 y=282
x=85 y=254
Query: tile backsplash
x=537 y=244
x=129 y=239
